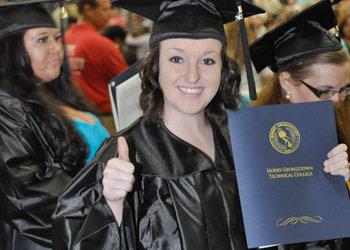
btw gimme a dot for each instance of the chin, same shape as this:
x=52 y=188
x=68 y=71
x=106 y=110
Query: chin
x=192 y=111
x=49 y=78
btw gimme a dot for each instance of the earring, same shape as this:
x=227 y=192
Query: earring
x=288 y=95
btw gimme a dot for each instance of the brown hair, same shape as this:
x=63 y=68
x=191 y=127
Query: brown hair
x=151 y=98
x=273 y=94
x=342 y=24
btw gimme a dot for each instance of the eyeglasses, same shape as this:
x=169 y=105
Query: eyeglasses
x=326 y=94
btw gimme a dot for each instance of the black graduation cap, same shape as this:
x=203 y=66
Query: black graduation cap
x=187 y=18
x=196 y=19
x=303 y=36
x=16 y=15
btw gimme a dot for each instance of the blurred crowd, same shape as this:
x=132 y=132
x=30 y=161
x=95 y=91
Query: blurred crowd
x=130 y=32
x=278 y=11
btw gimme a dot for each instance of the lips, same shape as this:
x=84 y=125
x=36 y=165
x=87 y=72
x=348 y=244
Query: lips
x=191 y=90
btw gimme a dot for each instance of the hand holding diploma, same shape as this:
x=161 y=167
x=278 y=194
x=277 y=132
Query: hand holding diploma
x=338 y=162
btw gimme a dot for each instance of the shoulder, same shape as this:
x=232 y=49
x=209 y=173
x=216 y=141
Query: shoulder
x=109 y=147
x=8 y=100
x=12 y=109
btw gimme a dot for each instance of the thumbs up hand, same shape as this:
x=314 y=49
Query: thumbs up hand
x=118 y=176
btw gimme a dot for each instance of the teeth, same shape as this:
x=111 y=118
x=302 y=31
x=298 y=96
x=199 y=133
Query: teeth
x=191 y=90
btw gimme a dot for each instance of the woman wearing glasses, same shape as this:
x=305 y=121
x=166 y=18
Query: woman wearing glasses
x=309 y=65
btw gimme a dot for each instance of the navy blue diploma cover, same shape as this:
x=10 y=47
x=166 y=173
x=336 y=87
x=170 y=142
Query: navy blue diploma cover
x=286 y=197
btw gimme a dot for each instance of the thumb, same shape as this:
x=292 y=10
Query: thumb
x=123 y=149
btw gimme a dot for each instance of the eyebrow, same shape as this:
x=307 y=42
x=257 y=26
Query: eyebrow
x=207 y=52
x=41 y=33
x=47 y=34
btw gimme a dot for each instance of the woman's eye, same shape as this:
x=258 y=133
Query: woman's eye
x=176 y=59
x=209 y=61
x=43 y=39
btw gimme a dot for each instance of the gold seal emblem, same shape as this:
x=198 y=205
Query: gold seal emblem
x=284 y=137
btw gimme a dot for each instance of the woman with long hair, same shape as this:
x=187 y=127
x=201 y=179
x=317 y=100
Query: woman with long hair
x=167 y=181
x=41 y=149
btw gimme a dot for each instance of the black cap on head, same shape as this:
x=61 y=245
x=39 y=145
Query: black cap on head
x=194 y=19
x=303 y=36
x=16 y=16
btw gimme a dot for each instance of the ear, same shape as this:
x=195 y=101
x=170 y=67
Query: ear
x=285 y=81
x=88 y=9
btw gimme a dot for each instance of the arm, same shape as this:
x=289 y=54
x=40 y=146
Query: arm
x=118 y=179
x=29 y=186
x=84 y=219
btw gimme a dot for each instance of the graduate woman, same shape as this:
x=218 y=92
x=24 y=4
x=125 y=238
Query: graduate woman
x=40 y=149
x=310 y=65
x=172 y=182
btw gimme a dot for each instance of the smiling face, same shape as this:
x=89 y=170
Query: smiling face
x=323 y=78
x=45 y=52
x=189 y=74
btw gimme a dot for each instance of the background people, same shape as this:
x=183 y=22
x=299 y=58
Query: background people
x=309 y=65
x=94 y=59
x=41 y=150
x=117 y=34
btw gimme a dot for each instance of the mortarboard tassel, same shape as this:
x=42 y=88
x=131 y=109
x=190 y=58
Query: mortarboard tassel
x=245 y=46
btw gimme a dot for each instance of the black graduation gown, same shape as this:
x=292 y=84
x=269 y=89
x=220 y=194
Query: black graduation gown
x=181 y=198
x=31 y=178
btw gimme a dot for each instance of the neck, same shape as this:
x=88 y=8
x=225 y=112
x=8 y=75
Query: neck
x=190 y=128
x=182 y=124
x=195 y=130
x=84 y=20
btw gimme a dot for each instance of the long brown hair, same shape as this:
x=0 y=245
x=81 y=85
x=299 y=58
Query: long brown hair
x=18 y=79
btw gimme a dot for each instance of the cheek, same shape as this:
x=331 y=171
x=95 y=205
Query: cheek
x=161 y=76
x=168 y=74
x=214 y=77
x=37 y=61
x=105 y=16
x=43 y=67
x=305 y=96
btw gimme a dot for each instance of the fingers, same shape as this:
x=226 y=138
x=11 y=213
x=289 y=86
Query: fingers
x=114 y=191
x=338 y=163
x=123 y=149
x=338 y=149
x=118 y=176
x=120 y=165
x=341 y=156
x=117 y=170
x=120 y=185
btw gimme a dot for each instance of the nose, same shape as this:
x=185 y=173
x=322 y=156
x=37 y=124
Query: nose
x=56 y=46
x=192 y=74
